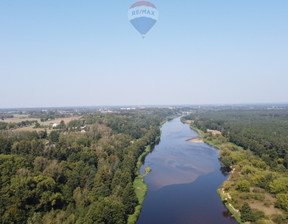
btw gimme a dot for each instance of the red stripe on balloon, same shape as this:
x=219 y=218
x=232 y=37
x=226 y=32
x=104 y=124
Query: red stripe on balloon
x=142 y=3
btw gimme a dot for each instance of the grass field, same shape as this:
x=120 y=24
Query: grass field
x=48 y=124
x=19 y=118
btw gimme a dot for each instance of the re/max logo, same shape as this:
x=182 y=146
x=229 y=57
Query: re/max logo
x=143 y=12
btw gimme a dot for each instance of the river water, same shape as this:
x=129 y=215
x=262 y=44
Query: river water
x=183 y=182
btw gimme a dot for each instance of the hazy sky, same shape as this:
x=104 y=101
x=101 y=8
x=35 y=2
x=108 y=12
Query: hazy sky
x=86 y=53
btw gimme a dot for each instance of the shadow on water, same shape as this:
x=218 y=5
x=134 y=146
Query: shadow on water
x=225 y=171
x=195 y=203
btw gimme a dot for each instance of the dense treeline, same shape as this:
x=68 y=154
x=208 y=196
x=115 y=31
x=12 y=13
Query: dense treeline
x=45 y=115
x=262 y=131
x=4 y=116
x=68 y=176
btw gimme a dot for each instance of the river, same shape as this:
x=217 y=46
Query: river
x=183 y=182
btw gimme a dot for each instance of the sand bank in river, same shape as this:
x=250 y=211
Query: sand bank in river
x=195 y=140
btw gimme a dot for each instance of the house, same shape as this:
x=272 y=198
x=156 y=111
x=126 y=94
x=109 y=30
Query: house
x=55 y=125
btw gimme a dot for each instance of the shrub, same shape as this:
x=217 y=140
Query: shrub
x=243 y=186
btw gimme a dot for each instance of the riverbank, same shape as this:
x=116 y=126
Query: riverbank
x=140 y=186
x=244 y=183
x=223 y=195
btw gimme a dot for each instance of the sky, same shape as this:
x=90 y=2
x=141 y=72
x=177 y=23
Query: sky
x=86 y=53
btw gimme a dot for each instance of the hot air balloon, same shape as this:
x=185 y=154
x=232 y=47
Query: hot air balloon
x=143 y=15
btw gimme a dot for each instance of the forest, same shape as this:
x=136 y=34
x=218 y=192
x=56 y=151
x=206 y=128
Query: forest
x=79 y=172
x=264 y=132
x=253 y=147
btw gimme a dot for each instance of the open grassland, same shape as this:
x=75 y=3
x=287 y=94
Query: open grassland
x=58 y=120
x=43 y=125
x=19 y=118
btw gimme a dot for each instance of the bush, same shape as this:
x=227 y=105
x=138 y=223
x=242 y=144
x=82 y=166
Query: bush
x=279 y=185
x=54 y=136
x=246 y=213
x=243 y=186
x=258 y=214
x=279 y=219
x=282 y=201
x=259 y=197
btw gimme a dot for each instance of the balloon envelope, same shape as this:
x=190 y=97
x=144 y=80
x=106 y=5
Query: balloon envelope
x=143 y=15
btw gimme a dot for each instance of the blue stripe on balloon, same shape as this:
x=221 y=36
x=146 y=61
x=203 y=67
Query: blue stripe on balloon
x=143 y=24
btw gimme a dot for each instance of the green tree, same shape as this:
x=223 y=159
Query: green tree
x=243 y=186
x=102 y=183
x=84 y=141
x=130 y=200
x=246 y=213
x=40 y=163
x=54 y=136
x=43 y=134
x=61 y=125
x=106 y=211
x=282 y=201
x=37 y=125
x=279 y=185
